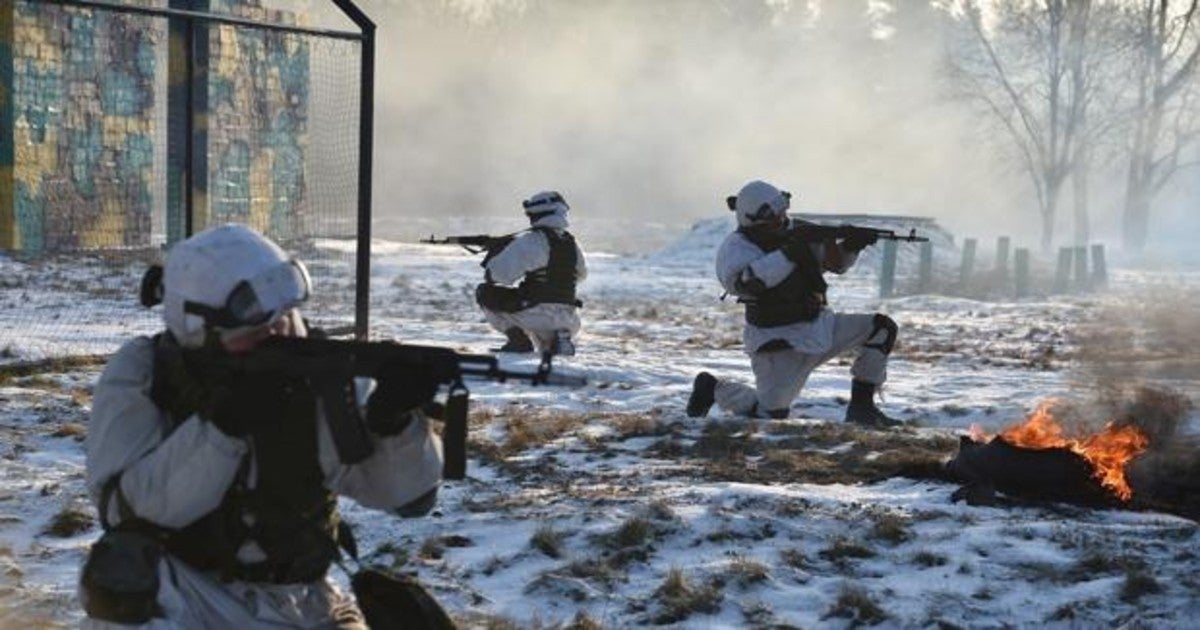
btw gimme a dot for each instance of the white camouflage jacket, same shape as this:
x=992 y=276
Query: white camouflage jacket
x=172 y=479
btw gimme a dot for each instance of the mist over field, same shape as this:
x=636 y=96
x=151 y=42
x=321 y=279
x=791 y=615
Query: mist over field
x=655 y=111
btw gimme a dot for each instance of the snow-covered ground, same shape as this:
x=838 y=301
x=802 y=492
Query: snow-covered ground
x=605 y=506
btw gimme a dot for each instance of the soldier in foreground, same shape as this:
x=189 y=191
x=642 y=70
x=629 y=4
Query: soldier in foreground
x=541 y=312
x=219 y=495
x=775 y=268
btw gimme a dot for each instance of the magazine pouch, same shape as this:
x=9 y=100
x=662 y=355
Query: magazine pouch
x=389 y=601
x=499 y=298
x=120 y=577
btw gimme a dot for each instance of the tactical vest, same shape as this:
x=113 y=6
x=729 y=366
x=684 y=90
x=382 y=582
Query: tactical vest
x=799 y=298
x=554 y=283
x=289 y=513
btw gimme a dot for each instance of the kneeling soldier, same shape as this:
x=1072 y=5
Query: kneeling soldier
x=541 y=313
x=789 y=329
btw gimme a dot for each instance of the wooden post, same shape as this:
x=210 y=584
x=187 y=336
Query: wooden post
x=1021 y=271
x=925 y=270
x=1099 y=267
x=1062 y=273
x=1002 y=245
x=1081 y=268
x=968 y=261
x=887 y=275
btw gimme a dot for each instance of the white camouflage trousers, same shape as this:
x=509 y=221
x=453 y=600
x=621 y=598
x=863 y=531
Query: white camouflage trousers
x=541 y=322
x=780 y=375
x=192 y=599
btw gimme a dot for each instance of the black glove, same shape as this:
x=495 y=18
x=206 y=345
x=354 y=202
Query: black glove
x=399 y=388
x=859 y=240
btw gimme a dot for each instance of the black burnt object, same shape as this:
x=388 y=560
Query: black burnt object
x=1025 y=474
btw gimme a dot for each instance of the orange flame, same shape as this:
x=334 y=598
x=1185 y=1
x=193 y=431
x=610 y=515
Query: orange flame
x=1108 y=451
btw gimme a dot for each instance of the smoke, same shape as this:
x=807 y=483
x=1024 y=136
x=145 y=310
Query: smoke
x=655 y=111
x=1140 y=353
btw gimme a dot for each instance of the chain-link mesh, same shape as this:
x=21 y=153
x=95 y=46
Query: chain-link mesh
x=99 y=118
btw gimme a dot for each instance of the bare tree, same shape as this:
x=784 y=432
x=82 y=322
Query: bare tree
x=1165 y=92
x=1027 y=66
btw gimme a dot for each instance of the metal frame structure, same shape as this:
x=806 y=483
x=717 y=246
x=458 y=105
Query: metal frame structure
x=197 y=186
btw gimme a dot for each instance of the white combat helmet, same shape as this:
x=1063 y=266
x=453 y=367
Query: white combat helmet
x=759 y=202
x=544 y=205
x=229 y=279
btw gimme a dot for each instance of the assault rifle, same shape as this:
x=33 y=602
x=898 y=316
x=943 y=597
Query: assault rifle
x=330 y=365
x=805 y=231
x=476 y=243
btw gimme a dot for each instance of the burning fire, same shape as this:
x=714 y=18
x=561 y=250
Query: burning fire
x=1108 y=451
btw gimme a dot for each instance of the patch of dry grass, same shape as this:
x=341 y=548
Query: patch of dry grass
x=855 y=603
x=807 y=454
x=637 y=531
x=928 y=559
x=71 y=430
x=548 y=541
x=432 y=549
x=841 y=550
x=595 y=569
x=583 y=621
x=69 y=521
x=1138 y=583
x=890 y=527
x=33 y=371
x=745 y=571
x=795 y=558
x=678 y=598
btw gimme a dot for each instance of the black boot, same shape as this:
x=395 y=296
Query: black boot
x=563 y=346
x=518 y=342
x=703 y=395
x=862 y=409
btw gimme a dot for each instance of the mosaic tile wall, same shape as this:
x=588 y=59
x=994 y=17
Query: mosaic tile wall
x=80 y=125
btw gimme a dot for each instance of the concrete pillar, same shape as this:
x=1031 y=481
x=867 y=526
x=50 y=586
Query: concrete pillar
x=925 y=270
x=1099 y=267
x=968 y=262
x=1081 y=268
x=1062 y=273
x=887 y=274
x=1002 y=246
x=1021 y=271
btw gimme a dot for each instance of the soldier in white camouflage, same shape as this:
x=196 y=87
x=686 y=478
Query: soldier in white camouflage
x=219 y=496
x=789 y=328
x=529 y=283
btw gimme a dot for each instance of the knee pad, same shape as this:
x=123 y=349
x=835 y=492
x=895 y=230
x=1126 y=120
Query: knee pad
x=888 y=325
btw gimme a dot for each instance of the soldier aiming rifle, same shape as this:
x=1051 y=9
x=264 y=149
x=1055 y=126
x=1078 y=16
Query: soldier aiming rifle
x=775 y=267
x=217 y=450
x=545 y=263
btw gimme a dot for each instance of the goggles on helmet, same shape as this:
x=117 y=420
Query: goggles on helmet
x=772 y=209
x=544 y=201
x=258 y=300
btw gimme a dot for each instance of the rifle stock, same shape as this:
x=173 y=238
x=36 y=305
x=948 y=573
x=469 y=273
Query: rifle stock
x=330 y=365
